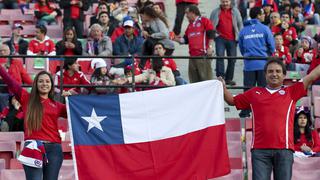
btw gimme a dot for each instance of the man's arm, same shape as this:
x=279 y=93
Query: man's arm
x=228 y=97
x=314 y=75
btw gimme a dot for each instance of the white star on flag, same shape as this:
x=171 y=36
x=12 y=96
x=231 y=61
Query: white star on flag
x=94 y=120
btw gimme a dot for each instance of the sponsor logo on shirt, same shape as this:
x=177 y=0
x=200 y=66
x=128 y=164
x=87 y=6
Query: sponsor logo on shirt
x=282 y=92
x=253 y=36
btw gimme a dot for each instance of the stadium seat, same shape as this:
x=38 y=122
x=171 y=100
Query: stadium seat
x=66 y=149
x=235 y=163
x=15 y=164
x=233 y=124
x=85 y=65
x=235 y=174
x=5 y=31
x=304 y=101
x=315 y=90
x=28 y=31
x=317 y=106
x=11 y=12
x=2 y=164
x=17 y=137
x=16 y=174
x=4 y=19
x=233 y=136
x=54 y=65
x=248 y=124
x=234 y=149
x=63 y=124
x=24 y=19
x=35 y=65
x=55 y=31
x=317 y=124
x=313 y=174
x=306 y=164
x=7 y=151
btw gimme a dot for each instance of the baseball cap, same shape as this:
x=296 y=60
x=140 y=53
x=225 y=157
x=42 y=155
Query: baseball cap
x=17 y=25
x=128 y=22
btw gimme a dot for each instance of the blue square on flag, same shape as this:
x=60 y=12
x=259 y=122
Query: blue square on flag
x=96 y=122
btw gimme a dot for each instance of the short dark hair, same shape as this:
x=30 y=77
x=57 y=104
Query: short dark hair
x=158 y=43
x=42 y=27
x=285 y=12
x=276 y=61
x=194 y=9
x=68 y=62
x=277 y=34
x=295 y=4
x=255 y=11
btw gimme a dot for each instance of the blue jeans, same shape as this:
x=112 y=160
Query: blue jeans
x=253 y=78
x=266 y=160
x=50 y=171
x=223 y=45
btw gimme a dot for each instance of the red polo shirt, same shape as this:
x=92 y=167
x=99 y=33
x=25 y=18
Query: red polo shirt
x=225 y=28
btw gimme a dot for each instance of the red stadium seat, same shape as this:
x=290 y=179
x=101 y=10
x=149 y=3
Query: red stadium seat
x=16 y=174
x=2 y=164
x=233 y=124
x=7 y=151
x=234 y=149
x=233 y=136
x=5 y=31
x=4 y=19
x=235 y=174
x=15 y=164
x=304 y=101
x=28 y=31
x=55 y=31
x=315 y=90
x=85 y=65
x=317 y=106
x=248 y=124
x=317 y=124
x=24 y=19
x=66 y=149
x=11 y=12
x=17 y=137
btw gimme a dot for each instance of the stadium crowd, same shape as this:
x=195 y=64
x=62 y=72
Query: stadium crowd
x=123 y=28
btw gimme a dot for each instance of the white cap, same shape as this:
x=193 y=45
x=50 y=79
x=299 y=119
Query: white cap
x=128 y=22
x=98 y=63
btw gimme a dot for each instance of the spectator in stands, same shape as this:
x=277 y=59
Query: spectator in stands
x=74 y=14
x=128 y=43
x=41 y=44
x=107 y=23
x=297 y=18
x=71 y=76
x=267 y=8
x=282 y=51
x=290 y=37
x=156 y=29
x=14 y=66
x=273 y=142
x=157 y=8
x=181 y=5
x=285 y=6
x=17 y=45
x=97 y=43
x=158 y=75
x=316 y=59
x=120 y=29
x=46 y=12
x=102 y=7
x=274 y=20
x=12 y=116
x=309 y=14
x=304 y=54
x=41 y=119
x=200 y=40
x=159 y=50
x=227 y=22
x=306 y=139
x=143 y=3
x=123 y=10
x=101 y=76
x=255 y=40
x=69 y=45
x=9 y=4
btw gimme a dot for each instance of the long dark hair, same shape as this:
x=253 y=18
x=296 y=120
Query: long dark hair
x=74 y=39
x=149 y=11
x=97 y=74
x=307 y=128
x=140 y=5
x=34 y=113
x=157 y=64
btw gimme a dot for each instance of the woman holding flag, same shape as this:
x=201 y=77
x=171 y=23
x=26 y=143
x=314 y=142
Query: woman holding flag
x=42 y=155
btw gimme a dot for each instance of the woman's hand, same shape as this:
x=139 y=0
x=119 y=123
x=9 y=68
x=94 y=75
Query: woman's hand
x=305 y=148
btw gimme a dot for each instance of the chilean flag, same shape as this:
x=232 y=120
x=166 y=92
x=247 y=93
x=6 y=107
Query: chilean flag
x=163 y=134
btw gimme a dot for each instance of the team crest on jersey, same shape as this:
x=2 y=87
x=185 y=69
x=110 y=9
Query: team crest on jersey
x=198 y=25
x=282 y=92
